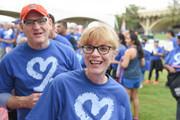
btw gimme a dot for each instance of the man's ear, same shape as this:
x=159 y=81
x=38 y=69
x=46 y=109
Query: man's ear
x=20 y=24
x=50 y=22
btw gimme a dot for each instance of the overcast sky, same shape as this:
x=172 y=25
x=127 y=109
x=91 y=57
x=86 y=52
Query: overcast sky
x=87 y=6
x=112 y=6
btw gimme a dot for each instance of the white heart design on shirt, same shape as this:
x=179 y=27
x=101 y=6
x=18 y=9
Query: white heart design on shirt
x=96 y=106
x=177 y=59
x=43 y=67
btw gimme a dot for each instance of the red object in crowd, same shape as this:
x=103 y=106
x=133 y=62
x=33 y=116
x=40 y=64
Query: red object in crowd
x=3 y=114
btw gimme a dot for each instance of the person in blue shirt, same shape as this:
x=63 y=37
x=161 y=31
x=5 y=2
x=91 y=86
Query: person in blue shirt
x=147 y=57
x=156 y=62
x=7 y=37
x=88 y=94
x=80 y=55
x=55 y=36
x=17 y=29
x=31 y=66
x=172 y=64
x=62 y=29
x=122 y=49
x=171 y=37
x=170 y=45
x=73 y=30
x=131 y=78
x=2 y=50
x=20 y=36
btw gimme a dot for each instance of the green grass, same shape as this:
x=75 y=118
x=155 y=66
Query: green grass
x=156 y=101
x=160 y=36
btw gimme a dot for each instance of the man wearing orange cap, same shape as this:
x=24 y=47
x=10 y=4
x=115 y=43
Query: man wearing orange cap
x=29 y=67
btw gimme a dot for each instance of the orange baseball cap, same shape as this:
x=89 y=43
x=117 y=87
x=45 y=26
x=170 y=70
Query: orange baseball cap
x=33 y=7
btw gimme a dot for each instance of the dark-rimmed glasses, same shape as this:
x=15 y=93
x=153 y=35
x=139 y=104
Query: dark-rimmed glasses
x=88 y=49
x=40 y=21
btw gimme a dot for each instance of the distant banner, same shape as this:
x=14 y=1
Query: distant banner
x=123 y=26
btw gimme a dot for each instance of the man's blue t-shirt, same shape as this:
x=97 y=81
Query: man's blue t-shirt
x=63 y=40
x=72 y=96
x=7 y=35
x=173 y=59
x=29 y=70
x=121 y=52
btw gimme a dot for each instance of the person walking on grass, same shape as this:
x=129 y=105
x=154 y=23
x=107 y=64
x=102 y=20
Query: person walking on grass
x=156 y=62
x=131 y=78
x=172 y=65
x=147 y=57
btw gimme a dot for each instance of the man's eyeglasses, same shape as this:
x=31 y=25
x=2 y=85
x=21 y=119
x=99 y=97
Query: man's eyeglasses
x=40 y=21
x=101 y=49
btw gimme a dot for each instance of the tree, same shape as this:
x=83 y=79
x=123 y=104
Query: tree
x=173 y=17
x=131 y=17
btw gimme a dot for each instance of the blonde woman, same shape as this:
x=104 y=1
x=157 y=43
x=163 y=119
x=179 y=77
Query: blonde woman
x=88 y=94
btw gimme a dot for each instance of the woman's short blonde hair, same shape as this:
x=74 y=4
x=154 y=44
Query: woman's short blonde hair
x=100 y=33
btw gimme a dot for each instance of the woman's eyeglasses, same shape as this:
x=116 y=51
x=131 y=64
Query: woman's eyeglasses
x=101 y=49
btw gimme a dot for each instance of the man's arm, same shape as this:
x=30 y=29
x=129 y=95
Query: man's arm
x=9 y=101
x=5 y=41
x=3 y=99
x=126 y=59
x=169 y=68
x=142 y=62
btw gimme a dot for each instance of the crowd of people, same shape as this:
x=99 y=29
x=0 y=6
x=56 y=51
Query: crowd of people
x=153 y=58
x=48 y=70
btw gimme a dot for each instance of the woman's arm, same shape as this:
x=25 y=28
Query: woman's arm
x=158 y=54
x=142 y=62
x=5 y=41
x=114 y=62
x=126 y=59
